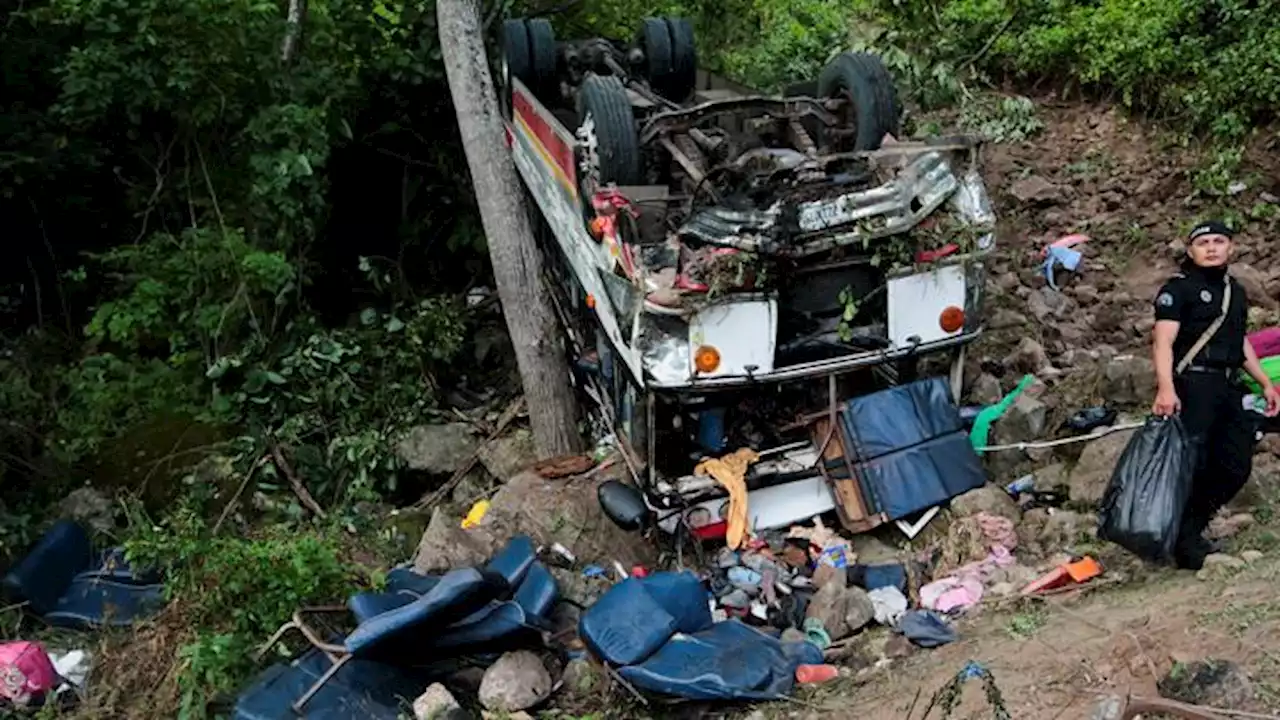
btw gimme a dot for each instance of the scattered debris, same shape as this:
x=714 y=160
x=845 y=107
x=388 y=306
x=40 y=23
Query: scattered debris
x=1219 y=683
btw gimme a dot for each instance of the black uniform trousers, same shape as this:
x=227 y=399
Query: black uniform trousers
x=1222 y=433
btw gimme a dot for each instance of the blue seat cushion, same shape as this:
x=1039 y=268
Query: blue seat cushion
x=398 y=635
x=514 y=560
x=898 y=418
x=907 y=481
x=406 y=580
x=682 y=595
x=626 y=625
x=539 y=591
x=361 y=689
x=729 y=661
x=44 y=575
x=93 y=603
x=368 y=605
x=506 y=623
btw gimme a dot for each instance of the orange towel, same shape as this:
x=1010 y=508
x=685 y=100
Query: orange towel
x=731 y=472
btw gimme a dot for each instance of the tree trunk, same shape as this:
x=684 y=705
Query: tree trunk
x=517 y=264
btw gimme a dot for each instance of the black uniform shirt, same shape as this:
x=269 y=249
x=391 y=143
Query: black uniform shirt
x=1193 y=298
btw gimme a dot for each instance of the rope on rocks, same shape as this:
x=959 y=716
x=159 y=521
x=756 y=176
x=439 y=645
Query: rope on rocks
x=1062 y=441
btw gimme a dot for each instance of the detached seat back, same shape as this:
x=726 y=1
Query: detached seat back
x=417 y=622
x=659 y=633
x=398 y=636
x=69 y=584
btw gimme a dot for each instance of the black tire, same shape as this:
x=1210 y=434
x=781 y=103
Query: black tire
x=862 y=79
x=655 y=42
x=543 y=58
x=604 y=99
x=684 y=59
x=515 y=53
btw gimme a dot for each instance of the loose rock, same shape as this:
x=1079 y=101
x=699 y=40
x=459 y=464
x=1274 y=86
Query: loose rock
x=1030 y=356
x=1003 y=319
x=842 y=610
x=89 y=507
x=1088 y=480
x=861 y=612
x=1129 y=380
x=1046 y=303
x=434 y=704
x=1228 y=527
x=986 y=390
x=988 y=499
x=582 y=677
x=437 y=449
x=518 y=681
x=1035 y=190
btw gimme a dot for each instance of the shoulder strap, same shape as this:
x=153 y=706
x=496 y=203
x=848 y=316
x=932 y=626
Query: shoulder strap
x=1209 y=331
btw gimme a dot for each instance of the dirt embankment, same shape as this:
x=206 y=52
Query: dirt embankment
x=1134 y=194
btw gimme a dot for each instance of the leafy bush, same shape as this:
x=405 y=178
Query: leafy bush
x=237 y=591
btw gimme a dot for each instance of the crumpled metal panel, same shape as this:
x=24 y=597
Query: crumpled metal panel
x=895 y=207
x=748 y=230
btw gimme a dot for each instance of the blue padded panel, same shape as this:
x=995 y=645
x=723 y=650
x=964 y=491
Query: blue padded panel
x=538 y=594
x=44 y=575
x=514 y=559
x=360 y=690
x=404 y=579
x=730 y=661
x=91 y=603
x=114 y=566
x=681 y=594
x=626 y=625
x=367 y=605
x=396 y=634
x=911 y=480
x=885 y=575
x=898 y=418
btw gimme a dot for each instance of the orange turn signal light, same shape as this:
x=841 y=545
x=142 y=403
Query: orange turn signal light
x=951 y=319
x=591 y=301
x=706 y=359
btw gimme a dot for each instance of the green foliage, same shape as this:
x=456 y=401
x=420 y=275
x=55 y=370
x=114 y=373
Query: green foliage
x=1214 y=59
x=237 y=590
x=1002 y=119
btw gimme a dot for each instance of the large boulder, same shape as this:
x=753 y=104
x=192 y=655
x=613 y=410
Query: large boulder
x=1023 y=422
x=516 y=682
x=550 y=511
x=508 y=455
x=1255 y=283
x=1088 y=480
x=445 y=545
x=1129 y=380
x=437 y=449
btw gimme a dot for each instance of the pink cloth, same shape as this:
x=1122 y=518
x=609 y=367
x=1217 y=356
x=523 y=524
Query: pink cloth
x=964 y=588
x=25 y=672
x=1266 y=342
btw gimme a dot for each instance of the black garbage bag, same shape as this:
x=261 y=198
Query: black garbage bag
x=1143 y=505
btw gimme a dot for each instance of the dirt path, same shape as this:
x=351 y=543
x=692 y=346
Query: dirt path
x=1057 y=660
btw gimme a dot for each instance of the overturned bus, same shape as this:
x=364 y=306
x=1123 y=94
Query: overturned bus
x=729 y=266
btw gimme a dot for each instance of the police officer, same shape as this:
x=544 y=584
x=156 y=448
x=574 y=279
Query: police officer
x=1201 y=383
